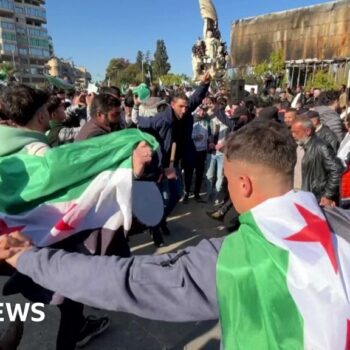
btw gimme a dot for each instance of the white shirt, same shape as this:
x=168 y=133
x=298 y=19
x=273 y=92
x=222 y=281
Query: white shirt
x=344 y=149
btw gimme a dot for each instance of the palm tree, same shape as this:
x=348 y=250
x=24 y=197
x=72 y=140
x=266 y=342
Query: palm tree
x=7 y=70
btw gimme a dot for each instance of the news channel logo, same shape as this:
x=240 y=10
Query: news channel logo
x=23 y=312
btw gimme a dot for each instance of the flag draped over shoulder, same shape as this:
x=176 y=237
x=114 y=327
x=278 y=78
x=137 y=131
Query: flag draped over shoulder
x=284 y=279
x=76 y=187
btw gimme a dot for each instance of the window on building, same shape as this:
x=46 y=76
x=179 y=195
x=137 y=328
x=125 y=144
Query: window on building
x=23 y=52
x=39 y=42
x=9 y=36
x=10 y=48
x=37 y=32
x=39 y=52
x=36 y=12
x=8 y=25
x=22 y=41
x=35 y=52
x=7 y=4
x=35 y=70
x=19 y=10
x=21 y=30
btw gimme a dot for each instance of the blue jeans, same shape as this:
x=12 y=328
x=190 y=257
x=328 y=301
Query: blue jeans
x=215 y=174
x=172 y=191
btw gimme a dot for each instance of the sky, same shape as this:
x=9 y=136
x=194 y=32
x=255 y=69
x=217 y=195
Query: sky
x=92 y=32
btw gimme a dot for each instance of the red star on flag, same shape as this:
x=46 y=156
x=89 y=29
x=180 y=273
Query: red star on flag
x=5 y=230
x=347 y=346
x=63 y=225
x=316 y=230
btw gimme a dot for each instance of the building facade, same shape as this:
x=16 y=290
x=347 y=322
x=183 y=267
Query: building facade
x=67 y=70
x=24 y=39
x=312 y=38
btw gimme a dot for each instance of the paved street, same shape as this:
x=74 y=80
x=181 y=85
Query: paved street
x=188 y=226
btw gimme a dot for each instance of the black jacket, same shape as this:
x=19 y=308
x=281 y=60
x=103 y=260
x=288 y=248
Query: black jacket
x=329 y=137
x=321 y=170
x=332 y=119
x=168 y=129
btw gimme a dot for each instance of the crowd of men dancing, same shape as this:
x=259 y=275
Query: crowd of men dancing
x=191 y=126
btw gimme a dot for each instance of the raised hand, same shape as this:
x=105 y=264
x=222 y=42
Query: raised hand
x=142 y=156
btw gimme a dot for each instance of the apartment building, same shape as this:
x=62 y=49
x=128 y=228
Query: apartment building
x=67 y=70
x=24 y=40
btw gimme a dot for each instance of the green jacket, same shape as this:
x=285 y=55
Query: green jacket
x=13 y=140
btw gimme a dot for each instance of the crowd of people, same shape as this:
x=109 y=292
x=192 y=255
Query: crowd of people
x=199 y=130
x=315 y=119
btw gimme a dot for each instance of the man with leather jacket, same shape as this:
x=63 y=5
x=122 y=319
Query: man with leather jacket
x=321 y=170
x=323 y=131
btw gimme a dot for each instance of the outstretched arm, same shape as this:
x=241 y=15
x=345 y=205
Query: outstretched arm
x=199 y=95
x=174 y=287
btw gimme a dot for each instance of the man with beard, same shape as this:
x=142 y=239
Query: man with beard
x=321 y=170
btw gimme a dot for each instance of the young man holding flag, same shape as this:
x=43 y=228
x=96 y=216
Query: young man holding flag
x=281 y=281
x=59 y=192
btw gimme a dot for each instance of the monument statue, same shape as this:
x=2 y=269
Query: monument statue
x=210 y=52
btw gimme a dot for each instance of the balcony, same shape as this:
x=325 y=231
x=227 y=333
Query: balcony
x=37 y=32
x=36 y=14
x=6 y=8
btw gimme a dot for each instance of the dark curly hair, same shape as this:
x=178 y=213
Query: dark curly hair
x=327 y=98
x=53 y=103
x=21 y=102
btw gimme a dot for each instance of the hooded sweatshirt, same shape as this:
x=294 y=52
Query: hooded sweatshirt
x=14 y=140
x=149 y=108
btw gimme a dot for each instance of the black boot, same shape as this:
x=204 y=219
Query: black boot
x=157 y=237
x=164 y=228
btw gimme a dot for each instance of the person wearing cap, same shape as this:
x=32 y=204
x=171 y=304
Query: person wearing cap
x=241 y=278
x=323 y=131
x=321 y=169
x=150 y=99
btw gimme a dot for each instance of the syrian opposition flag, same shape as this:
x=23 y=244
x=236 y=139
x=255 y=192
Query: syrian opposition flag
x=73 y=188
x=283 y=279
